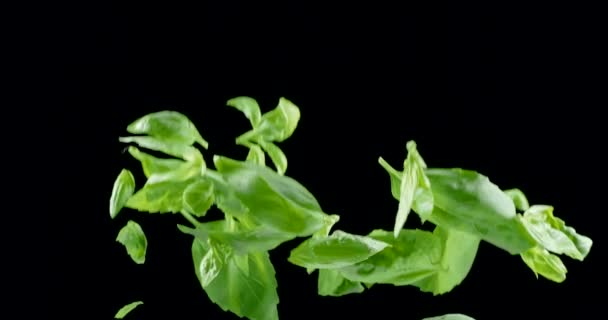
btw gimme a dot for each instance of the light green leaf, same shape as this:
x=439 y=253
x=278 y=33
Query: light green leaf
x=412 y=256
x=225 y=197
x=451 y=316
x=258 y=239
x=168 y=126
x=467 y=201
x=519 y=199
x=256 y=155
x=338 y=250
x=395 y=177
x=249 y=107
x=276 y=155
x=252 y=295
x=276 y=125
x=409 y=180
x=213 y=261
x=123 y=189
x=330 y=221
x=458 y=253
x=331 y=283
x=161 y=197
x=182 y=151
x=546 y=264
x=127 y=309
x=134 y=239
x=552 y=233
x=198 y=197
x=195 y=167
x=273 y=200
x=153 y=165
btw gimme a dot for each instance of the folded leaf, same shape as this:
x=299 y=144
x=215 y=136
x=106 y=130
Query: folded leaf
x=213 y=261
x=198 y=197
x=546 y=264
x=552 y=233
x=276 y=155
x=182 y=151
x=252 y=295
x=256 y=155
x=412 y=256
x=331 y=283
x=134 y=240
x=330 y=221
x=123 y=189
x=164 y=197
x=273 y=200
x=249 y=107
x=127 y=309
x=153 y=165
x=458 y=253
x=168 y=126
x=338 y=250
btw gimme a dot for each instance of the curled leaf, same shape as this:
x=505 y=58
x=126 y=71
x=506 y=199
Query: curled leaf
x=123 y=189
x=133 y=238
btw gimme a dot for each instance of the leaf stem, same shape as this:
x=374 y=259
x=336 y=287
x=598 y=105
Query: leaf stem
x=190 y=218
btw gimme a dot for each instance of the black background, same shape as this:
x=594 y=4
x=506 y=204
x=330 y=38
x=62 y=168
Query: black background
x=509 y=92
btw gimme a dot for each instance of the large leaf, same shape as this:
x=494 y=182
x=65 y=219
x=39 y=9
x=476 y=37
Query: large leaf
x=412 y=256
x=338 y=250
x=273 y=200
x=123 y=189
x=276 y=125
x=332 y=283
x=133 y=238
x=161 y=197
x=544 y=263
x=168 y=126
x=467 y=201
x=249 y=107
x=552 y=233
x=127 y=309
x=458 y=253
x=250 y=293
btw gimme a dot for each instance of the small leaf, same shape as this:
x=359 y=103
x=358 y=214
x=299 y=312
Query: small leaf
x=182 y=151
x=451 y=316
x=338 y=250
x=198 y=197
x=552 y=233
x=276 y=125
x=153 y=165
x=134 y=239
x=161 y=197
x=409 y=180
x=546 y=264
x=123 y=189
x=249 y=107
x=168 y=126
x=256 y=155
x=225 y=197
x=213 y=262
x=331 y=283
x=127 y=309
x=276 y=155
x=519 y=199
x=330 y=221
x=194 y=167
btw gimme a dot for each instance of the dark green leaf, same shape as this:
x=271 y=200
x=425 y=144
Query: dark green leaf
x=249 y=107
x=276 y=155
x=252 y=295
x=338 y=250
x=331 y=283
x=134 y=240
x=168 y=126
x=198 y=197
x=123 y=189
x=546 y=264
x=127 y=309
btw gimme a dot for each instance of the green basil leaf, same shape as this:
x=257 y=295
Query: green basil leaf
x=256 y=155
x=546 y=264
x=195 y=167
x=552 y=233
x=338 y=250
x=331 y=283
x=123 y=189
x=127 y=309
x=273 y=200
x=276 y=155
x=330 y=221
x=412 y=256
x=276 y=125
x=458 y=253
x=451 y=316
x=519 y=199
x=153 y=165
x=182 y=151
x=225 y=197
x=395 y=177
x=134 y=240
x=213 y=261
x=409 y=181
x=467 y=201
x=249 y=107
x=198 y=197
x=168 y=126
x=252 y=295
x=163 y=197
